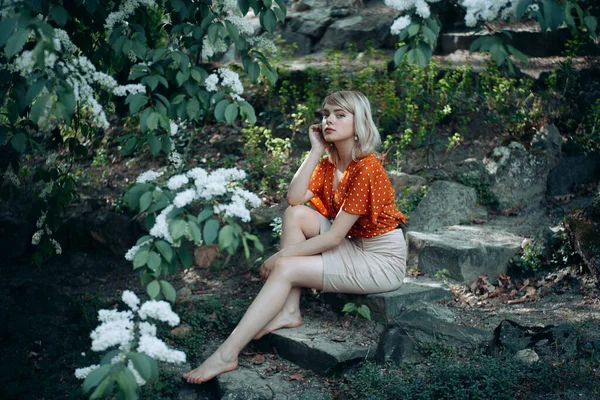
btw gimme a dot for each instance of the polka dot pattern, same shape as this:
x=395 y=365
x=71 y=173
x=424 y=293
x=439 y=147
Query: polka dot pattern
x=364 y=189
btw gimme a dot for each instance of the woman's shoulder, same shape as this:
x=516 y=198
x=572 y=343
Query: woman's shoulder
x=368 y=163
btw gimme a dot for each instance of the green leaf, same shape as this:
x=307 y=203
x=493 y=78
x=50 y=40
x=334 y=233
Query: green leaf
x=141 y=363
x=498 y=54
x=553 y=14
x=280 y=14
x=185 y=257
x=220 y=109
x=154 y=261
x=95 y=377
x=591 y=23
x=231 y=113
x=424 y=54
x=16 y=42
x=210 y=231
x=168 y=291
x=365 y=311
x=19 y=142
x=129 y=145
x=59 y=14
x=39 y=108
x=143 y=239
x=205 y=214
x=225 y=237
x=400 y=53
x=281 y=4
x=145 y=201
x=152 y=121
x=165 y=249
x=247 y=112
x=7 y=27
x=413 y=29
x=195 y=232
x=253 y=70
x=349 y=307
x=34 y=90
x=518 y=55
x=127 y=384
x=246 y=249
x=213 y=32
x=433 y=25
x=268 y=20
x=177 y=229
x=140 y=259
x=153 y=289
x=193 y=109
x=244 y=6
x=136 y=102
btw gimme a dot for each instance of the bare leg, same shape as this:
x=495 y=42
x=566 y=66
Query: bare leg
x=299 y=223
x=288 y=273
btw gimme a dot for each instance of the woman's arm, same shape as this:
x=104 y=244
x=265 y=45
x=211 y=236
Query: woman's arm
x=315 y=245
x=298 y=192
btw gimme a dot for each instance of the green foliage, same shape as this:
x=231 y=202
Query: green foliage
x=265 y=156
x=409 y=199
x=476 y=377
x=362 y=310
x=529 y=260
x=482 y=186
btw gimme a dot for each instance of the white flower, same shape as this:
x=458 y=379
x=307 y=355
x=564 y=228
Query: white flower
x=211 y=82
x=57 y=248
x=160 y=310
x=235 y=209
x=244 y=26
x=231 y=80
x=161 y=227
x=158 y=350
x=138 y=378
x=533 y=8
x=184 y=198
x=175 y=159
x=126 y=9
x=35 y=239
x=82 y=373
x=124 y=90
x=112 y=332
x=131 y=300
x=177 y=181
x=197 y=174
x=173 y=127
x=399 y=24
x=147 y=329
x=148 y=176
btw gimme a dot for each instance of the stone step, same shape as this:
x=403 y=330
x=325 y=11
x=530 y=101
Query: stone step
x=466 y=252
x=324 y=347
x=385 y=306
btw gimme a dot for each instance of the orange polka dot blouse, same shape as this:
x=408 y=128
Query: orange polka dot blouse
x=364 y=189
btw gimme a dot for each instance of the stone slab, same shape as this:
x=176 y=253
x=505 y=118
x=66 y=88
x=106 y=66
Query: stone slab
x=319 y=348
x=467 y=252
x=385 y=306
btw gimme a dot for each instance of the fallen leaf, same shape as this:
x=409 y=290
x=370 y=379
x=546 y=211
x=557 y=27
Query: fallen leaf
x=257 y=359
x=97 y=236
x=295 y=377
x=338 y=339
x=205 y=255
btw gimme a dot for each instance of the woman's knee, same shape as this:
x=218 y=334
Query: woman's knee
x=304 y=217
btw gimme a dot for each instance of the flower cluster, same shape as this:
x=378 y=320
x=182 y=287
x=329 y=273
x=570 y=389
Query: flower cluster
x=421 y=6
x=125 y=11
x=120 y=329
x=487 y=10
x=228 y=79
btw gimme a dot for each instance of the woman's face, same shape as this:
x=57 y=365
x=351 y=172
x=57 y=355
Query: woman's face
x=338 y=125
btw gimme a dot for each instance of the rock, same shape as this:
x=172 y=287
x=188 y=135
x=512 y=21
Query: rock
x=518 y=176
x=572 y=172
x=548 y=139
x=15 y=236
x=310 y=346
x=251 y=383
x=446 y=203
x=527 y=356
x=423 y=325
x=184 y=293
x=400 y=181
x=262 y=217
x=192 y=394
x=303 y=43
x=372 y=24
x=182 y=330
x=549 y=343
x=465 y=251
x=312 y=24
x=385 y=307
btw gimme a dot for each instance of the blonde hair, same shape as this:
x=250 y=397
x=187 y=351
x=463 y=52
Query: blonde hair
x=366 y=132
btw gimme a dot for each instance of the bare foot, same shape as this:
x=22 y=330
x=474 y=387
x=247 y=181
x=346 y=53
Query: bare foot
x=211 y=367
x=281 y=320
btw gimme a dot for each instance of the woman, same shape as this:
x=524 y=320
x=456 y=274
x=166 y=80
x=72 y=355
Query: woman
x=360 y=252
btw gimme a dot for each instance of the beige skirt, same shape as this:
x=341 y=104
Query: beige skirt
x=364 y=265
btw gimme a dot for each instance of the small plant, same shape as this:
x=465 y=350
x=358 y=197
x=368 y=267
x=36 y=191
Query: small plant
x=276 y=224
x=362 y=310
x=530 y=260
x=442 y=275
x=482 y=186
x=410 y=198
x=133 y=364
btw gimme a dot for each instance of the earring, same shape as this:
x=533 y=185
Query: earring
x=355 y=138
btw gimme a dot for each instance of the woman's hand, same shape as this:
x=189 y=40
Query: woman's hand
x=267 y=267
x=315 y=134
